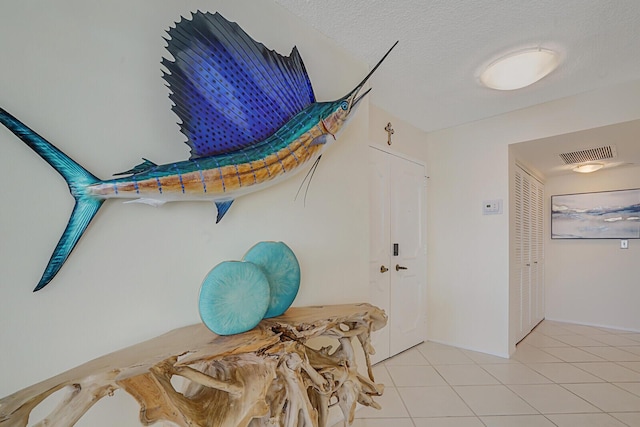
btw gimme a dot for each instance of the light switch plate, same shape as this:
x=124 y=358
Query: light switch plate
x=624 y=244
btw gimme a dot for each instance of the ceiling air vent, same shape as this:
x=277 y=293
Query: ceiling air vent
x=589 y=155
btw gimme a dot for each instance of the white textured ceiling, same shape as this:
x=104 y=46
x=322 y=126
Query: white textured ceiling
x=443 y=43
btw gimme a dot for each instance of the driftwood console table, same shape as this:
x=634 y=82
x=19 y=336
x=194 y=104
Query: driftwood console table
x=268 y=376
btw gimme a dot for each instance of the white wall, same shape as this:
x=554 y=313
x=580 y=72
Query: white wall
x=468 y=281
x=468 y=252
x=406 y=139
x=592 y=282
x=86 y=75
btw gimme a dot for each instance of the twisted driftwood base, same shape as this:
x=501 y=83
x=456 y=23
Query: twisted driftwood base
x=264 y=377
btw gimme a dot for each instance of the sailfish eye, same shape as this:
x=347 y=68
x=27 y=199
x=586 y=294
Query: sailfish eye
x=344 y=105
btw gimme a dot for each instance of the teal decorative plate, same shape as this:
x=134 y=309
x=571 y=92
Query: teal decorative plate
x=281 y=267
x=234 y=297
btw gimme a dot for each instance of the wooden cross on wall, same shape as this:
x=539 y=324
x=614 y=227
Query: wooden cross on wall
x=390 y=132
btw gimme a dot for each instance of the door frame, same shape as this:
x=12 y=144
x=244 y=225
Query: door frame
x=389 y=150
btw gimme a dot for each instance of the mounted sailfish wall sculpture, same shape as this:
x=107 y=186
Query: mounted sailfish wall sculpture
x=249 y=115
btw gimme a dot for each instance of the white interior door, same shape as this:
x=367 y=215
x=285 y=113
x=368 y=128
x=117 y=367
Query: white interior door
x=408 y=268
x=398 y=277
x=379 y=247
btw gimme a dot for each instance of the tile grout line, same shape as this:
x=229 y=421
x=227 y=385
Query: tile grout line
x=584 y=348
x=543 y=343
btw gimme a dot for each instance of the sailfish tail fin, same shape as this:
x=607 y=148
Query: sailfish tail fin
x=77 y=177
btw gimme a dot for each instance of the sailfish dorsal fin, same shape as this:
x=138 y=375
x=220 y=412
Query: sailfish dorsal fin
x=228 y=90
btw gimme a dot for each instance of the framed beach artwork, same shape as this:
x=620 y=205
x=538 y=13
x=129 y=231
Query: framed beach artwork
x=600 y=215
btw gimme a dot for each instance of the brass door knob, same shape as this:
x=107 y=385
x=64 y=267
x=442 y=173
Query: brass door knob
x=383 y=269
x=399 y=267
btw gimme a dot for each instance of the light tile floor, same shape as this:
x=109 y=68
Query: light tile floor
x=560 y=375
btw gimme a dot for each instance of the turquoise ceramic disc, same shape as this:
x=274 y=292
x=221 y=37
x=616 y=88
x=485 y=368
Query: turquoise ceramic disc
x=280 y=265
x=234 y=297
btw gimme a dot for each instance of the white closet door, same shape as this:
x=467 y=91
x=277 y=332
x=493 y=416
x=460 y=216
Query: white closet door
x=525 y=284
x=528 y=252
x=517 y=262
x=538 y=254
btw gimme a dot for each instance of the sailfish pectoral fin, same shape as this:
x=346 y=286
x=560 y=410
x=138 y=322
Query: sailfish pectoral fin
x=319 y=140
x=223 y=207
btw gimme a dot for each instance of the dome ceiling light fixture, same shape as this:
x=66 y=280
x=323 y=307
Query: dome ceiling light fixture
x=588 y=167
x=520 y=69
